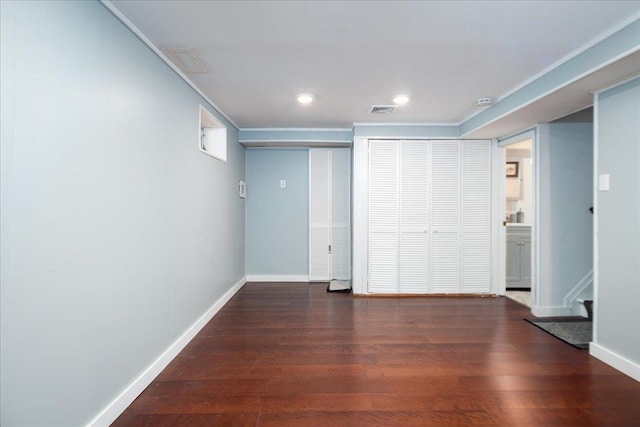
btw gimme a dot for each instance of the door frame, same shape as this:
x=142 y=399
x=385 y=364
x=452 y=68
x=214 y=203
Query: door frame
x=500 y=203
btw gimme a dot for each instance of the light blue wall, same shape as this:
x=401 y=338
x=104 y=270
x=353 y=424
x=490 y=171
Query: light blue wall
x=277 y=219
x=565 y=222
x=617 y=299
x=297 y=135
x=117 y=234
x=405 y=131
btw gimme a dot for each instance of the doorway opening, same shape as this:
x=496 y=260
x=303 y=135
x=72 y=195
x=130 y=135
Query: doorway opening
x=519 y=215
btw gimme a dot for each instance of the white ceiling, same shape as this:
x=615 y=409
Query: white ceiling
x=352 y=54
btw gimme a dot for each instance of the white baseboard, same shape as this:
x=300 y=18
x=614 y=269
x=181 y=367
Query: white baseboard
x=277 y=278
x=120 y=403
x=623 y=365
x=551 y=311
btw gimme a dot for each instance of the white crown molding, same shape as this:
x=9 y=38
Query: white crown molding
x=296 y=129
x=407 y=124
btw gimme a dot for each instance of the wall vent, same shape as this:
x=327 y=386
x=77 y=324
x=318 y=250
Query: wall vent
x=382 y=109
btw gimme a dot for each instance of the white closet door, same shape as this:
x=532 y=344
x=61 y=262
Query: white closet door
x=383 y=217
x=319 y=215
x=341 y=214
x=476 y=217
x=445 y=217
x=414 y=217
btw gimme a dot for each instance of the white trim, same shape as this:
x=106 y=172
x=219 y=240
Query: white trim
x=522 y=135
x=420 y=138
x=536 y=270
x=135 y=30
x=551 y=311
x=596 y=261
x=614 y=360
x=533 y=135
x=113 y=410
x=278 y=278
x=574 y=293
x=405 y=124
x=294 y=141
x=360 y=220
x=296 y=129
x=498 y=208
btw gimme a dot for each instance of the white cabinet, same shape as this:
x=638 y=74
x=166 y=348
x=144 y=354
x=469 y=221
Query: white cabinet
x=429 y=217
x=518 y=274
x=329 y=214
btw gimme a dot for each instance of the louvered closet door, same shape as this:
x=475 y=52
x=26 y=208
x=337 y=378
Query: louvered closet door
x=341 y=214
x=445 y=217
x=319 y=210
x=383 y=217
x=476 y=216
x=414 y=217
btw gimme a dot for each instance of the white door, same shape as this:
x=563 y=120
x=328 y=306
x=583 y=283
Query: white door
x=445 y=217
x=341 y=214
x=476 y=217
x=414 y=272
x=383 y=217
x=329 y=214
x=319 y=215
x=429 y=217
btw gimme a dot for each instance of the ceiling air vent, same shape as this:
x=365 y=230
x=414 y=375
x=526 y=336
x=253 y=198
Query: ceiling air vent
x=382 y=109
x=189 y=61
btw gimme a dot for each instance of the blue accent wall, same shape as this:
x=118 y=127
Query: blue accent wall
x=117 y=234
x=617 y=298
x=277 y=219
x=293 y=135
x=565 y=196
x=405 y=131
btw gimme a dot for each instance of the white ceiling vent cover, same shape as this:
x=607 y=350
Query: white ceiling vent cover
x=189 y=61
x=382 y=109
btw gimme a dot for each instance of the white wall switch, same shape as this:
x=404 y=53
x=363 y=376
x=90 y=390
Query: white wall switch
x=604 y=182
x=283 y=183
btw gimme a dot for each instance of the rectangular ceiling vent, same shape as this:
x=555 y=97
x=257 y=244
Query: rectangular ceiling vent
x=189 y=61
x=382 y=109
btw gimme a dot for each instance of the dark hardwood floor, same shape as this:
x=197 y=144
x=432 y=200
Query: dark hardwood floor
x=294 y=355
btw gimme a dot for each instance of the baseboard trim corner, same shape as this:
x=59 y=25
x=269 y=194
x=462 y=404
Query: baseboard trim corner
x=616 y=361
x=551 y=311
x=114 y=409
x=277 y=278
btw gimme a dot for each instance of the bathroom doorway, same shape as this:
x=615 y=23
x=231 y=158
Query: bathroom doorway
x=519 y=214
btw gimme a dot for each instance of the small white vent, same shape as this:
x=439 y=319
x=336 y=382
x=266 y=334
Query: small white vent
x=382 y=109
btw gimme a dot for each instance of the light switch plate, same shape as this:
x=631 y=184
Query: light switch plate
x=604 y=182
x=283 y=183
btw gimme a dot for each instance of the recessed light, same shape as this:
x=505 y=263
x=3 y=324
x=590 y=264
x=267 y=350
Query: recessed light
x=305 y=98
x=400 y=99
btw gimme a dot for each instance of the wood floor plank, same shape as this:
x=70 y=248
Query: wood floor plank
x=294 y=355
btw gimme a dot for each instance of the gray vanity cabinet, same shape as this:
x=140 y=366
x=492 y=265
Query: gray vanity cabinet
x=518 y=256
